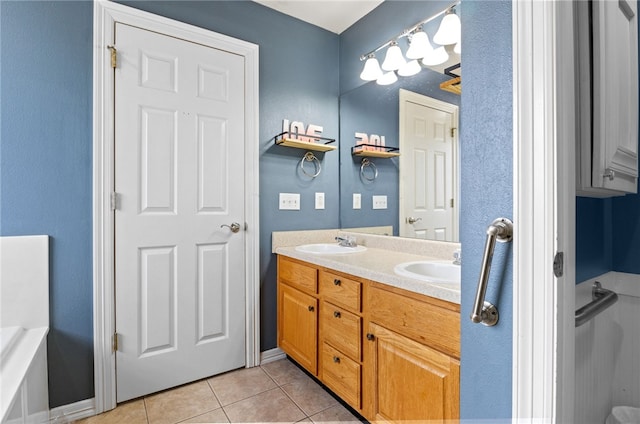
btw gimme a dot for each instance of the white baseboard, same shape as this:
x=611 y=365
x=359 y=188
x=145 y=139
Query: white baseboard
x=73 y=411
x=271 y=355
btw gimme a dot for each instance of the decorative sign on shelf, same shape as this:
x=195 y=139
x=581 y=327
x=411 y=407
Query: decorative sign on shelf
x=369 y=142
x=293 y=131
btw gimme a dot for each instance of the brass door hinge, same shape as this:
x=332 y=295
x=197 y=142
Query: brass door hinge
x=114 y=56
x=453 y=132
x=114 y=346
x=451 y=202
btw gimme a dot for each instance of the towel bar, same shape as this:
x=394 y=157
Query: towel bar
x=601 y=300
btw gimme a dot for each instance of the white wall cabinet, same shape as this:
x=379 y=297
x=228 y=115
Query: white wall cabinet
x=607 y=59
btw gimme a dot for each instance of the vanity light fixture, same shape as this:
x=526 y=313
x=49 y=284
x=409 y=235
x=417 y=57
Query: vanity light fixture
x=419 y=45
x=449 y=31
x=387 y=78
x=436 y=57
x=419 y=48
x=371 y=69
x=409 y=68
x=394 y=59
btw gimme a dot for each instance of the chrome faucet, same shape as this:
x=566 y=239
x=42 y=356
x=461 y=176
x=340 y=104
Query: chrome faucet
x=457 y=257
x=347 y=241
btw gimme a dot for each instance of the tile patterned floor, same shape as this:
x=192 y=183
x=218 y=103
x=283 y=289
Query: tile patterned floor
x=277 y=392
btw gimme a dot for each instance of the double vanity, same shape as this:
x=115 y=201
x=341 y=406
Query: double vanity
x=377 y=323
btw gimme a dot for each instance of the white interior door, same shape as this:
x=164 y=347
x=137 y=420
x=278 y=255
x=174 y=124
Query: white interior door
x=428 y=169
x=179 y=175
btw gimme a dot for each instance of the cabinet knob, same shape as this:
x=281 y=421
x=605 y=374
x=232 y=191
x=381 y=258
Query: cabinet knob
x=336 y=282
x=336 y=359
x=336 y=314
x=370 y=336
x=311 y=308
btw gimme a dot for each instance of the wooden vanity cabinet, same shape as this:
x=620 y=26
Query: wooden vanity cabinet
x=411 y=352
x=391 y=354
x=298 y=312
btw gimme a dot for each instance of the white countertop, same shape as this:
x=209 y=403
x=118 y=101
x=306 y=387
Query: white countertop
x=377 y=265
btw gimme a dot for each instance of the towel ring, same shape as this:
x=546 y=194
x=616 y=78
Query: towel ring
x=310 y=157
x=367 y=163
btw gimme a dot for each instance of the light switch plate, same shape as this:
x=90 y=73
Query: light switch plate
x=357 y=201
x=289 y=201
x=379 y=202
x=319 y=200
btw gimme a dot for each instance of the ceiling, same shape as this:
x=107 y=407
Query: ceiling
x=332 y=15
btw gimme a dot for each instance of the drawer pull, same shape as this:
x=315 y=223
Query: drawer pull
x=336 y=359
x=370 y=336
x=336 y=282
x=311 y=308
x=336 y=314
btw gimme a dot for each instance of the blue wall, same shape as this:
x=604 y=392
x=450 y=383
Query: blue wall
x=486 y=135
x=594 y=238
x=45 y=169
x=46 y=150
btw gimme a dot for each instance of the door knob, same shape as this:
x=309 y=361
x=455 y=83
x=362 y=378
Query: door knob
x=412 y=220
x=234 y=227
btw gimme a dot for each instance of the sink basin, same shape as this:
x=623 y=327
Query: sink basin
x=329 y=249
x=432 y=271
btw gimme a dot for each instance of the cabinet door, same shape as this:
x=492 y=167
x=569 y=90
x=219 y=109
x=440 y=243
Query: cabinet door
x=406 y=380
x=298 y=326
x=615 y=95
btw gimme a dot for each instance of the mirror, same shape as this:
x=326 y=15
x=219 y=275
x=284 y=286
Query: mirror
x=375 y=109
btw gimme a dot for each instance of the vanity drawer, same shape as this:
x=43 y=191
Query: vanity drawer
x=341 y=329
x=298 y=275
x=422 y=321
x=341 y=290
x=342 y=375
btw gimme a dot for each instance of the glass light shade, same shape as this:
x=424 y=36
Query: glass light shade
x=371 y=70
x=449 y=30
x=387 y=78
x=458 y=47
x=410 y=68
x=437 y=57
x=420 y=46
x=394 y=59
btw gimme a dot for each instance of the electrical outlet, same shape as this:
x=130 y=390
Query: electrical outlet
x=319 y=200
x=289 y=201
x=357 y=201
x=379 y=202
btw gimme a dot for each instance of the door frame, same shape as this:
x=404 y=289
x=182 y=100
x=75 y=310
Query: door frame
x=410 y=96
x=106 y=14
x=544 y=144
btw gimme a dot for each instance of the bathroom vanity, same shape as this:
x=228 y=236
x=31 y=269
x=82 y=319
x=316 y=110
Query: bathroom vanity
x=391 y=352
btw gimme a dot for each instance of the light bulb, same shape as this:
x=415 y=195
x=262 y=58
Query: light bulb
x=458 y=47
x=387 y=78
x=394 y=59
x=420 y=46
x=437 y=57
x=449 y=30
x=410 y=68
x=371 y=70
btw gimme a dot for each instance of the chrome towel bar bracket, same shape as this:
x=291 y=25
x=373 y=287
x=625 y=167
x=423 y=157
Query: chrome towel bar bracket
x=500 y=230
x=601 y=299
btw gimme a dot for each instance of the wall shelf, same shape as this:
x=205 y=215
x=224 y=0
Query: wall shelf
x=319 y=144
x=380 y=152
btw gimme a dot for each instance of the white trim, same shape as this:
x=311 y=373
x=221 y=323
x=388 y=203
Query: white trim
x=105 y=16
x=73 y=411
x=410 y=96
x=544 y=192
x=272 y=355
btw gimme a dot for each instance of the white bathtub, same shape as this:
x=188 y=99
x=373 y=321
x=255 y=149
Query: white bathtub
x=24 y=324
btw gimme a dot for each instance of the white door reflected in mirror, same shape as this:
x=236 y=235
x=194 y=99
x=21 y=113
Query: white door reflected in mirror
x=428 y=168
